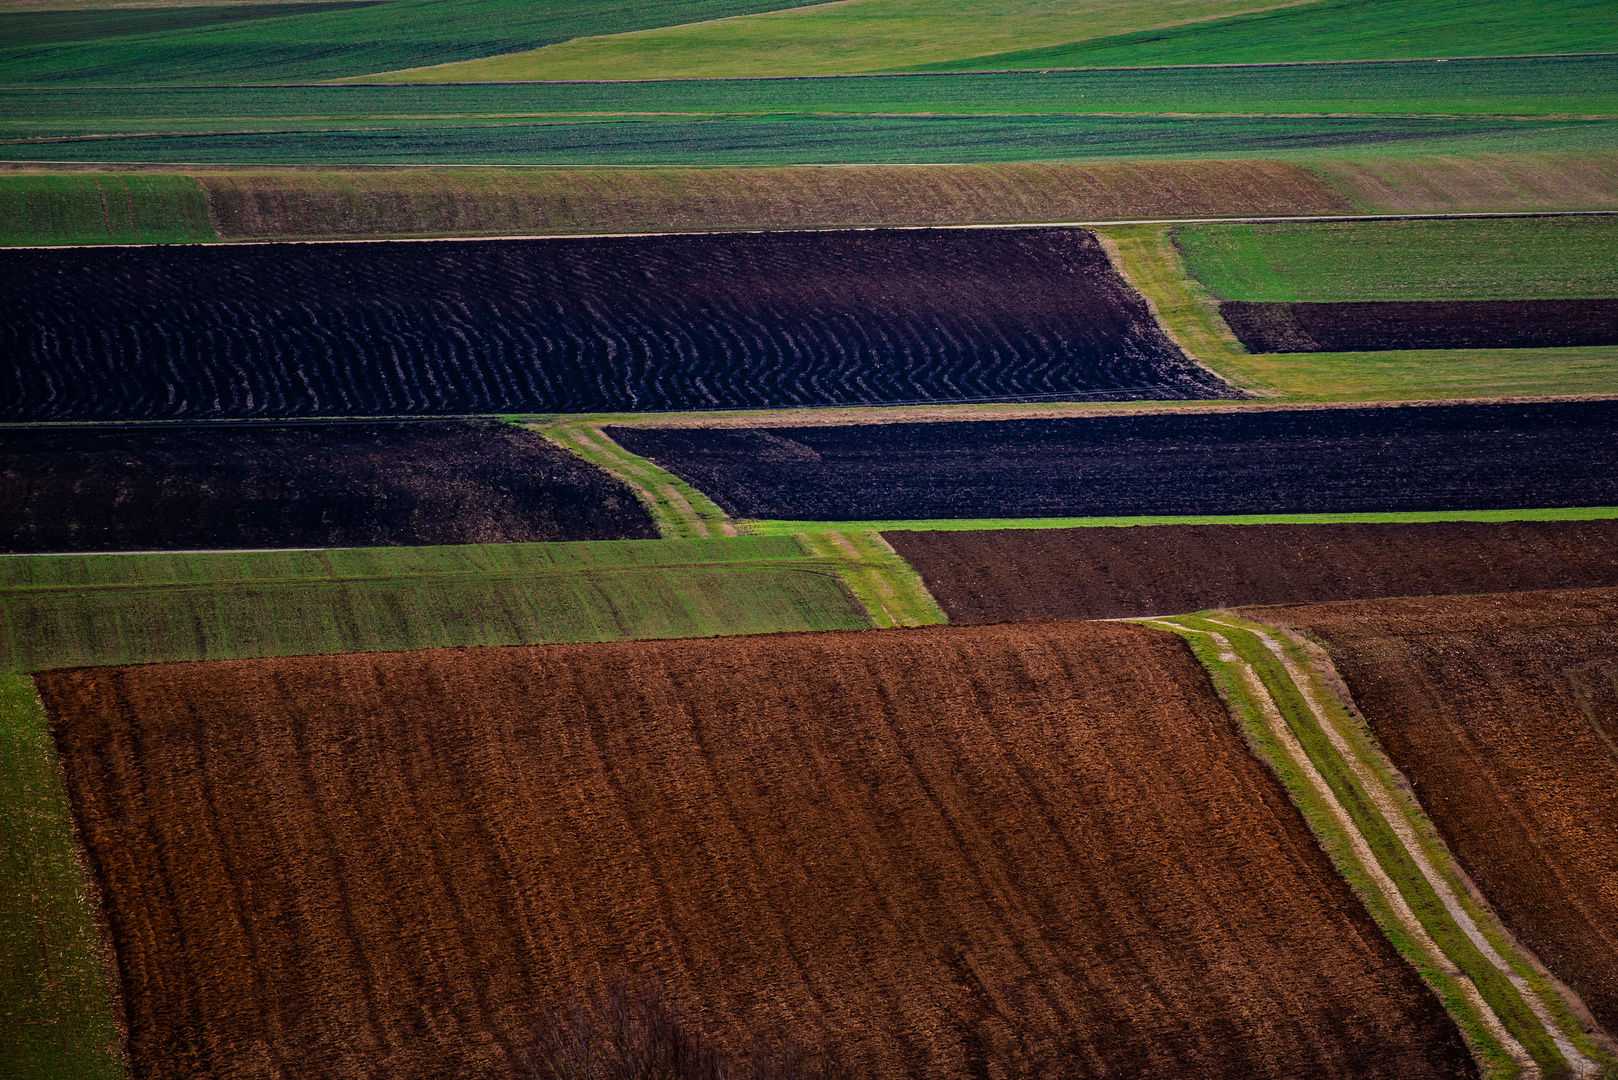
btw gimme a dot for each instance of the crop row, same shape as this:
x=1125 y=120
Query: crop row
x=578 y=326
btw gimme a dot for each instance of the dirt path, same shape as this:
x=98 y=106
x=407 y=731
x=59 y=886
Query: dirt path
x=1498 y=993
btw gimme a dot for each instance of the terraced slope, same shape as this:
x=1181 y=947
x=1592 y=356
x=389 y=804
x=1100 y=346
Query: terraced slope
x=1502 y=710
x=598 y=325
x=1036 y=848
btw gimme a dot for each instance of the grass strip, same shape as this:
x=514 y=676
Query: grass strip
x=782 y=528
x=56 y=1009
x=103 y=208
x=891 y=591
x=60 y=611
x=677 y=508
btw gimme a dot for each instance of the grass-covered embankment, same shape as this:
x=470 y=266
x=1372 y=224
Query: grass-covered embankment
x=67 y=610
x=56 y=1014
x=103 y=208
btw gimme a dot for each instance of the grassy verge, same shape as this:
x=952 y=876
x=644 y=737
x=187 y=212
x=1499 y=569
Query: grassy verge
x=892 y=593
x=103 y=208
x=1397 y=835
x=786 y=528
x=678 y=509
x=63 y=610
x=56 y=1017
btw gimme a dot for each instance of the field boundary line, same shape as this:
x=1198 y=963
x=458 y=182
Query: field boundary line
x=1481 y=973
x=891 y=591
x=65 y=1017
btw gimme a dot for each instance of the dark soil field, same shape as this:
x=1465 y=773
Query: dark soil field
x=1503 y=712
x=1106 y=573
x=613 y=324
x=1442 y=457
x=314 y=485
x=1027 y=850
x=1419 y=324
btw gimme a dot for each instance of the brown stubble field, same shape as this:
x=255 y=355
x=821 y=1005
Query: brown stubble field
x=1503 y=713
x=1130 y=572
x=1013 y=850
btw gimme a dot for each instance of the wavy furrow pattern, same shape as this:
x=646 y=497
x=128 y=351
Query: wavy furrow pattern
x=612 y=324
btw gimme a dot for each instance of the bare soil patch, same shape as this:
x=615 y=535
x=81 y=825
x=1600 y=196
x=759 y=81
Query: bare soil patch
x=316 y=485
x=1113 y=573
x=1023 y=850
x=1375 y=326
x=1503 y=712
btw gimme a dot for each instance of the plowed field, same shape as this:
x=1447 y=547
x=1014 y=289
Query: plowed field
x=603 y=325
x=1020 y=850
x=1105 y=573
x=1419 y=324
x=314 y=485
x=1503 y=712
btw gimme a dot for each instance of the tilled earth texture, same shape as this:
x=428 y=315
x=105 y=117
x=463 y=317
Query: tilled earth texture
x=1373 y=327
x=614 y=324
x=1030 y=849
x=316 y=485
x=1503 y=712
x=1441 y=457
x=1113 y=573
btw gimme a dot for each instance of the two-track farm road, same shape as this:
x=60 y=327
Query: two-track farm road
x=947 y=852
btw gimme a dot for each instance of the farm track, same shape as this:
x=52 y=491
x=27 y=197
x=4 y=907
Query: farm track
x=622 y=324
x=934 y=852
x=1516 y=1021
x=1500 y=710
x=1108 y=573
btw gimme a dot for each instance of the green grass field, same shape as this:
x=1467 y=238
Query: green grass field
x=1339 y=30
x=1501 y=106
x=104 y=208
x=284 y=42
x=834 y=39
x=1479 y=259
x=64 y=610
x=56 y=1018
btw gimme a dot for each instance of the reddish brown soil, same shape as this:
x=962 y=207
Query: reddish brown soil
x=1032 y=850
x=1503 y=712
x=1111 y=573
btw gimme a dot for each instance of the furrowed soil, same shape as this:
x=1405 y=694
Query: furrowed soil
x=1114 y=573
x=315 y=485
x=1286 y=461
x=1379 y=326
x=584 y=325
x=1020 y=850
x=472 y=202
x=1503 y=713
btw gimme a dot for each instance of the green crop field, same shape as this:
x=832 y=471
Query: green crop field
x=65 y=610
x=1339 y=30
x=287 y=42
x=1458 y=107
x=1554 y=258
x=55 y=1007
x=829 y=39
x=103 y=208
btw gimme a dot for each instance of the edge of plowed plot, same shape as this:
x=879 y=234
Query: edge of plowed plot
x=59 y=1012
x=1513 y=1013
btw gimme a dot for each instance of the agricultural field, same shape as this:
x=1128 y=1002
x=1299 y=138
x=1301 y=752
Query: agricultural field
x=1110 y=573
x=929 y=35
x=606 y=324
x=1500 y=710
x=94 y=489
x=1417 y=324
x=113 y=208
x=284 y=43
x=69 y=610
x=1037 y=847
x=1545 y=104
x=1278 y=461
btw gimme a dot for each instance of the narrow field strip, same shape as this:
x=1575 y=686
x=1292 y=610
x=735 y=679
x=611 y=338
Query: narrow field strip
x=891 y=591
x=678 y=509
x=56 y=1009
x=785 y=528
x=1386 y=847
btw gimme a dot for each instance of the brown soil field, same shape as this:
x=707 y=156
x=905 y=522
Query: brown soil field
x=1370 y=326
x=1112 y=573
x=1031 y=850
x=491 y=202
x=1503 y=713
x=1475 y=182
